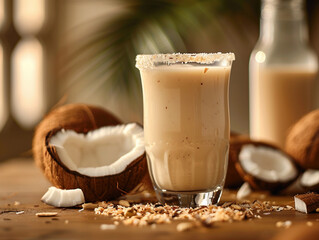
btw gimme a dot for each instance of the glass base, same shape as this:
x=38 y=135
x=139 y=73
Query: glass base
x=189 y=199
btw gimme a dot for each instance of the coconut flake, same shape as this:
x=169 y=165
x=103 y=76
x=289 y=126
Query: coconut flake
x=267 y=164
x=102 y=152
x=46 y=214
x=243 y=191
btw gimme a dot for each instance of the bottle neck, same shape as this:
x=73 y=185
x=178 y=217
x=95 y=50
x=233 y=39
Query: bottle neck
x=283 y=21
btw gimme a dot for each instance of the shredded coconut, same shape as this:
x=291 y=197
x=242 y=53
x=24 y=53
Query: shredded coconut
x=151 y=60
x=151 y=214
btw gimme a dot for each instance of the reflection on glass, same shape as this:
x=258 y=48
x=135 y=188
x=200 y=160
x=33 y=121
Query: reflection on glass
x=29 y=16
x=28 y=100
x=3 y=105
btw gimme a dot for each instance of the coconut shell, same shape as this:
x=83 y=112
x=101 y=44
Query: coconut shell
x=233 y=179
x=254 y=182
x=303 y=141
x=82 y=118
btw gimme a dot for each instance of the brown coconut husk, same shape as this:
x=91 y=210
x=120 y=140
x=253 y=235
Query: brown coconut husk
x=82 y=118
x=233 y=179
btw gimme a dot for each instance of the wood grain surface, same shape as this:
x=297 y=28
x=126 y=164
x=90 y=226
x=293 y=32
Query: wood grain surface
x=21 y=181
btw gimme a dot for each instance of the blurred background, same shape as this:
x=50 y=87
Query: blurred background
x=54 y=52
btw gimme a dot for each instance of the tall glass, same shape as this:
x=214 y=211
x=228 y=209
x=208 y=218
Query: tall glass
x=186 y=125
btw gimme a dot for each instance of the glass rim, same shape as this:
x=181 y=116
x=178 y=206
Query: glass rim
x=144 y=61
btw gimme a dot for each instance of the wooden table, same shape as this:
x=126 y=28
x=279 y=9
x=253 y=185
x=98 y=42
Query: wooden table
x=21 y=181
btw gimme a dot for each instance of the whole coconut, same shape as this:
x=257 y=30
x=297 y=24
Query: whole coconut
x=82 y=118
x=303 y=141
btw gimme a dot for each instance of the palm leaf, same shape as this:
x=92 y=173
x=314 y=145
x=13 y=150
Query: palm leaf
x=105 y=60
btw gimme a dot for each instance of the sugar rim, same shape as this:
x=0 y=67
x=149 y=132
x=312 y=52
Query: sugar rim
x=144 y=61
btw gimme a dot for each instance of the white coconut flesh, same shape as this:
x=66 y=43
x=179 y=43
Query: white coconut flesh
x=310 y=178
x=101 y=152
x=267 y=164
x=63 y=198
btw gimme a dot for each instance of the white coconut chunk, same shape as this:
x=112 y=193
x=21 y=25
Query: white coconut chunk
x=102 y=152
x=267 y=164
x=300 y=205
x=244 y=191
x=310 y=178
x=63 y=198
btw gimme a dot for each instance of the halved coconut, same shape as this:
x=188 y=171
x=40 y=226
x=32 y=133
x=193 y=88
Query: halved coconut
x=264 y=166
x=309 y=180
x=81 y=146
x=63 y=198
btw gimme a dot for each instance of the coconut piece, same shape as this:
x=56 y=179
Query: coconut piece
x=46 y=214
x=302 y=141
x=89 y=206
x=124 y=203
x=71 y=160
x=264 y=166
x=307 y=203
x=244 y=191
x=63 y=198
x=309 y=180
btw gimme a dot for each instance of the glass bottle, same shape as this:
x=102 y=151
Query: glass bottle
x=282 y=71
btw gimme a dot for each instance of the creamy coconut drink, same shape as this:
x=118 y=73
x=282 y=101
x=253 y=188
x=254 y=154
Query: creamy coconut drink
x=186 y=124
x=282 y=95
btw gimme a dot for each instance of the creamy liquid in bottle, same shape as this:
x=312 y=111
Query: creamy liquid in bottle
x=186 y=122
x=281 y=96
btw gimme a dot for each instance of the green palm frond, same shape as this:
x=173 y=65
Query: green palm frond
x=106 y=59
